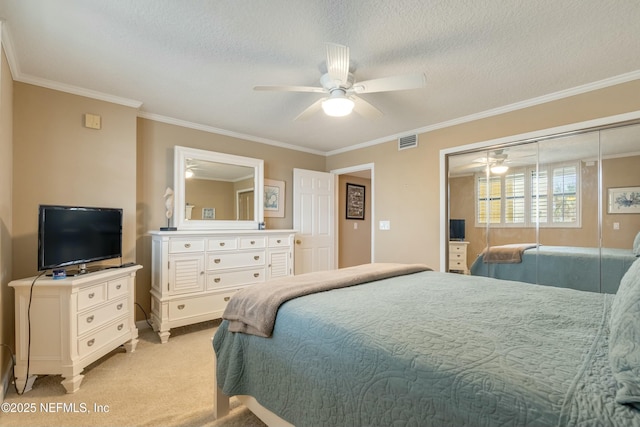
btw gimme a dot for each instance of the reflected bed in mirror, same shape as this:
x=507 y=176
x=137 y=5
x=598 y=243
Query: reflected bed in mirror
x=216 y=191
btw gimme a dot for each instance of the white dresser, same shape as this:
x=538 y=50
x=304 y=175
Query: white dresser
x=458 y=256
x=195 y=273
x=73 y=321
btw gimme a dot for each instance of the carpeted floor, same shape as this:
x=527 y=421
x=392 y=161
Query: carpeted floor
x=158 y=385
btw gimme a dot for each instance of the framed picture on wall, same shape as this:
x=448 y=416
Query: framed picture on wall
x=208 y=213
x=355 y=201
x=624 y=200
x=274 y=198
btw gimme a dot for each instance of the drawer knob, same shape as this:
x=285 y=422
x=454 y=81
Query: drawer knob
x=458 y=255
x=256 y=274
x=227 y=299
x=253 y=242
x=119 y=306
x=278 y=241
x=221 y=243
x=217 y=280
x=91 y=342
x=187 y=245
x=91 y=295
x=90 y=319
x=120 y=326
x=257 y=257
x=181 y=307
x=217 y=260
x=118 y=286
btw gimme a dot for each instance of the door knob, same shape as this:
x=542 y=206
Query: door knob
x=298 y=242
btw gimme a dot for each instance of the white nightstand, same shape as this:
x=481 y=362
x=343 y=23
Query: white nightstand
x=458 y=256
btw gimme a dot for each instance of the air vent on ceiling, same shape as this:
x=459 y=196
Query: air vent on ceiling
x=409 y=141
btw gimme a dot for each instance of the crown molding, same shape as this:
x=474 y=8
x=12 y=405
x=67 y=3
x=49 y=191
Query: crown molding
x=211 y=129
x=601 y=84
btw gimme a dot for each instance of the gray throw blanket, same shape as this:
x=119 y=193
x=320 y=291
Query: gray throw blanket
x=506 y=254
x=253 y=310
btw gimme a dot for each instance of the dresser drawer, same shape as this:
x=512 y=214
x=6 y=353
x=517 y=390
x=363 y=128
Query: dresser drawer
x=101 y=315
x=454 y=256
x=457 y=249
x=235 y=278
x=116 y=288
x=222 y=244
x=278 y=242
x=191 y=307
x=93 y=341
x=457 y=265
x=177 y=246
x=235 y=260
x=88 y=297
x=252 y=242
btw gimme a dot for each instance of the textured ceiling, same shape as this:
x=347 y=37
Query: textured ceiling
x=198 y=61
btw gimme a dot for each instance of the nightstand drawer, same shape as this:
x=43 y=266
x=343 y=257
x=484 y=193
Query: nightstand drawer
x=457 y=265
x=457 y=249
x=457 y=256
x=91 y=296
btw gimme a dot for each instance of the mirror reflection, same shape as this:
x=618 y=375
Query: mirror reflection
x=218 y=191
x=541 y=210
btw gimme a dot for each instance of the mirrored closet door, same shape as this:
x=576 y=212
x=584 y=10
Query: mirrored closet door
x=548 y=211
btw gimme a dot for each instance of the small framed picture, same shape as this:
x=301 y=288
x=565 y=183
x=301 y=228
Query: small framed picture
x=624 y=200
x=355 y=201
x=274 y=198
x=208 y=213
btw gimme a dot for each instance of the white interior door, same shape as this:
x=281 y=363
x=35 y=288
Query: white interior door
x=313 y=219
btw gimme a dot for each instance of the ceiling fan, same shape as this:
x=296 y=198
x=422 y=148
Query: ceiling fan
x=342 y=89
x=497 y=160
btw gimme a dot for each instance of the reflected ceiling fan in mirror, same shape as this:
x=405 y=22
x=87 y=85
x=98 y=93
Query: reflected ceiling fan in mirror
x=498 y=161
x=342 y=90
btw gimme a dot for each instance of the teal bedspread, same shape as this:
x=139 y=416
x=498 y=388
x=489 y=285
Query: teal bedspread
x=432 y=349
x=565 y=266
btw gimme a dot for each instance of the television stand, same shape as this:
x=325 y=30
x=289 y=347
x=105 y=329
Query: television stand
x=71 y=323
x=82 y=269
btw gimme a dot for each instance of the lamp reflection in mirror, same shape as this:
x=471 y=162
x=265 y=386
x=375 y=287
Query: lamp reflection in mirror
x=337 y=105
x=188 y=173
x=499 y=169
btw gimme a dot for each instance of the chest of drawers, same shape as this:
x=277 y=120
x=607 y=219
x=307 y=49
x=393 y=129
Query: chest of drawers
x=458 y=257
x=194 y=274
x=72 y=322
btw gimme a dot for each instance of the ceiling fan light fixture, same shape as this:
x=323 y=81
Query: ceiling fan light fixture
x=499 y=169
x=188 y=173
x=337 y=105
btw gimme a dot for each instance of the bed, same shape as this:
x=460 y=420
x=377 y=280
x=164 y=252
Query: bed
x=440 y=349
x=572 y=267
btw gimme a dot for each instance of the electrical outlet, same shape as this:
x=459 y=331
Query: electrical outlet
x=385 y=225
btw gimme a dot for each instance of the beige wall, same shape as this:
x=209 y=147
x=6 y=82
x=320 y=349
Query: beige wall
x=6 y=216
x=205 y=193
x=354 y=247
x=407 y=183
x=59 y=161
x=155 y=172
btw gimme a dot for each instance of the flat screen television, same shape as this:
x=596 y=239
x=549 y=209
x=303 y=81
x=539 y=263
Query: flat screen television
x=76 y=235
x=456 y=229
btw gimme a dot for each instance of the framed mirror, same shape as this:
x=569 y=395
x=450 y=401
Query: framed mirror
x=216 y=191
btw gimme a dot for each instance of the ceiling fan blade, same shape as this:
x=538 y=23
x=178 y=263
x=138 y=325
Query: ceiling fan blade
x=364 y=108
x=386 y=84
x=290 y=89
x=338 y=63
x=310 y=110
